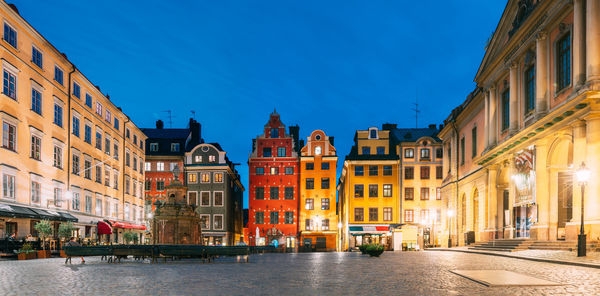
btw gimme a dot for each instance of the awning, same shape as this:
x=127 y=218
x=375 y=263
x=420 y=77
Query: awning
x=118 y=224
x=16 y=211
x=103 y=228
x=86 y=220
x=372 y=230
x=54 y=215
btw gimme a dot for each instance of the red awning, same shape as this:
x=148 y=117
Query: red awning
x=126 y=225
x=104 y=228
x=382 y=228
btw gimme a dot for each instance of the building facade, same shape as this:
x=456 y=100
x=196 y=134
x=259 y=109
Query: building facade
x=165 y=150
x=535 y=106
x=318 y=170
x=68 y=152
x=214 y=187
x=274 y=177
x=421 y=156
x=368 y=195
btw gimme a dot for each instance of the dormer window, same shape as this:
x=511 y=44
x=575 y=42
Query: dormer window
x=274 y=133
x=174 y=147
x=198 y=158
x=153 y=146
x=373 y=133
x=211 y=158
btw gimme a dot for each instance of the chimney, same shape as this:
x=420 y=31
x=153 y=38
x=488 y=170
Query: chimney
x=331 y=140
x=196 y=131
x=160 y=124
x=253 y=145
x=432 y=126
x=441 y=127
x=389 y=126
x=14 y=7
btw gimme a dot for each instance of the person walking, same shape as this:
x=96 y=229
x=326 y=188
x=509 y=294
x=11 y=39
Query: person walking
x=73 y=243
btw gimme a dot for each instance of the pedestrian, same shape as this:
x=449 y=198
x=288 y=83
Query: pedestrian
x=13 y=236
x=73 y=243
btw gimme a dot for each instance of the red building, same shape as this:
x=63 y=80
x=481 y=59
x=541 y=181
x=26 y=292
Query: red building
x=274 y=179
x=165 y=149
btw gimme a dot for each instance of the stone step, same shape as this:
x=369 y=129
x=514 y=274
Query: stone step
x=492 y=249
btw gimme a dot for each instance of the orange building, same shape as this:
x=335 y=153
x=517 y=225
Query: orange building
x=318 y=218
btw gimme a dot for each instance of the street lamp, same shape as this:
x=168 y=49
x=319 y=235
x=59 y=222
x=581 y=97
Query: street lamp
x=449 y=214
x=583 y=175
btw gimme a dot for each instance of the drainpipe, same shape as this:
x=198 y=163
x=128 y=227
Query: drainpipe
x=457 y=167
x=69 y=123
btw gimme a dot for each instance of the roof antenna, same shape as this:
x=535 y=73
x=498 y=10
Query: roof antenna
x=170 y=118
x=416 y=109
x=193 y=114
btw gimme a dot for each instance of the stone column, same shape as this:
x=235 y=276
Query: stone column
x=493 y=116
x=541 y=74
x=492 y=194
x=514 y=87
x=592 y=192
x=578 y=42
x=486 y=129
x=539 y=231
x=592 y=37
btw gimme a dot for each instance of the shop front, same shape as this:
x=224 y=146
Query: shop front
x=214 y=239
x=322 y=241
x=119 y=229
x=370 y=234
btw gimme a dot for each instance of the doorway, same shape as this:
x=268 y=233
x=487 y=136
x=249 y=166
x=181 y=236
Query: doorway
x=565 y=201
x=523 y=222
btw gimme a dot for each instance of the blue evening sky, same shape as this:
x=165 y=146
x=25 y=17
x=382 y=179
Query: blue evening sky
x=338 y=66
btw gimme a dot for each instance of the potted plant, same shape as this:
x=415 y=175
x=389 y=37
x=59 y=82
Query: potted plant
x=374 y=250
x=129 y=237
x=65 y=231
x=363 y=249
x=44 y=229
x=26 y=252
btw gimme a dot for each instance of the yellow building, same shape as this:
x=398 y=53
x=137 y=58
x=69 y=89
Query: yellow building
x=369 y=201
x=421 y=166
x=536 y=114
x=318 y=169
x=68 y=153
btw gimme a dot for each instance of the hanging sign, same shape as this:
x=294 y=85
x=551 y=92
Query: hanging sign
x=524 y=177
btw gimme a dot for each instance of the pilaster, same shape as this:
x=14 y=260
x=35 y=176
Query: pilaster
x=579 y=42
x=592 y=36
x=541 y=76
x=514 y=87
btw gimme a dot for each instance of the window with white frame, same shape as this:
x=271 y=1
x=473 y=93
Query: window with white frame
x=36 y=191
x=9 y=135
x=59 y=75
x=8 y=185
x=37 y=57
x=218 y=199
x=147 y=166
x=205 y=220
x=10 y=35
x=99 y=109
x=36 y=97
x=126 y=211
x=218 y=222
x=160 y=166
x=76 y=201
x=174 y=147
x=98 y=205
x=58 y=156
x=153 y=147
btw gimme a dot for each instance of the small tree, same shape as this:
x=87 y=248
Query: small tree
x=44 y=229
x=65 y=230
x=129 y=236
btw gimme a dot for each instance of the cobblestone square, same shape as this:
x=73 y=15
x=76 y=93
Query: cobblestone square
x=408 y=273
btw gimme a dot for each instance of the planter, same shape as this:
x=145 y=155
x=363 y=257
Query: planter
x=363 y=249
x=43 y=254
x=62 y=254
x=22 y=256
x=31 y=255
x=375 y=253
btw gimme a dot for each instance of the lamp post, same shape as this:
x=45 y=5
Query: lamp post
x=449 y=215
x=583 y=175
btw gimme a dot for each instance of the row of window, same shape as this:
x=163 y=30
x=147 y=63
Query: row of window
x=409 y=173
x=310 y=224
x=205 y=198
x=309 y=166
x=359 y=170
x=359 y=214
x=409 y=193
x=217 y=221
x=274 y=171
x=366 y=150
x=9 y=185
x=310 y=183
x=205 y=177
x=281 y=152
x=425 y=153
x=359 y=190
x=274 y=193
x=175 y=147
x=37 y=58
x=310 y=204
x=425 y=216
x=259 y=217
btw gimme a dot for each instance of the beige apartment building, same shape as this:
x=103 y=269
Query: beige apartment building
x=68 y=152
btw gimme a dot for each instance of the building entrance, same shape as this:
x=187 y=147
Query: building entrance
x=523 y=220
x=565 y=201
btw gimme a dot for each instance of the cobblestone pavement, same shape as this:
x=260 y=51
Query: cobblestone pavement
x=570 y=256
x=408 y=273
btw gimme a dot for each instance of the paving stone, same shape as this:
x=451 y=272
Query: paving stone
x=407 y=273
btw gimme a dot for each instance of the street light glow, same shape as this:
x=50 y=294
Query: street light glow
x=583 y=173
x=450 y=213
